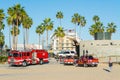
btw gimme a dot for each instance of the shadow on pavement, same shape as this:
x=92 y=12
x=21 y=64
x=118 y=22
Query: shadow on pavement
x=106 y=70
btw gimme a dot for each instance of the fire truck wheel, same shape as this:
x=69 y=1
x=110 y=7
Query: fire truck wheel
x=24 y=64
x=10 y=65
x=41 y=62
x=85 y=65
x=75 y=64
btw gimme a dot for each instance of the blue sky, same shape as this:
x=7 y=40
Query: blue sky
x=38 y=10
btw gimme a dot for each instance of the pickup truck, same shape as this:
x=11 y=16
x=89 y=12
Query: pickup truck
x=87 y=61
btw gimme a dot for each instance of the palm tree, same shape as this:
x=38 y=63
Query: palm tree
x=2 y=16
x=95 y=28
x=40 y=30
x=82 y=23
x=75 y=20
x=48 y=24
x=1 y=26
x=111 y=28
x=59 y=32
x=96 y=18
x=26 y=22
x=1 y=40
x=59 y=15
x=9 y=22
x=15 y=14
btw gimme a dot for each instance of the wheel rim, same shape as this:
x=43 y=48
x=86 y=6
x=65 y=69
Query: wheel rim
x=24 y=64
x=41 y=61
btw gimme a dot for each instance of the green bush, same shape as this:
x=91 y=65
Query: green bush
x=3 y=59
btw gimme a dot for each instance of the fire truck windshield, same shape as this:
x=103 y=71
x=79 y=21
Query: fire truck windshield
x=16 y=55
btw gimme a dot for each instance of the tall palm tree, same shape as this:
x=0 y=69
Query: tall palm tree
x=27 y=23
x=95 y=28
x=59 y=32
x=60 y=16
x=111 y=28
x=75 y=20
x=9 y=22
x=16 y=14
x=1 y=40
x=2 y=16
x=82 y=23
x=96 y=18
x=48 y=24
x=40 y=30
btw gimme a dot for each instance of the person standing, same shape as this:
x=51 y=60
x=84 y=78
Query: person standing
x=110 y=64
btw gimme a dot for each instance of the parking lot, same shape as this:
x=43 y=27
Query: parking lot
x=56 y=71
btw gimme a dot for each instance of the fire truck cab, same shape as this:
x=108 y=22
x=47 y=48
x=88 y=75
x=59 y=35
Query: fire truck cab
x=25 y=58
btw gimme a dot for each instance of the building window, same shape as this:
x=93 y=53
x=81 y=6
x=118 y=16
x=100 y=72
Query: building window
x=91 y=43
x=111 y=43
x=67 y=44
x=67 y=41
x=62 y=44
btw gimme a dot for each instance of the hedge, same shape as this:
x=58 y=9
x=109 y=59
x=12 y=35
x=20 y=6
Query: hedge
x=3 y=59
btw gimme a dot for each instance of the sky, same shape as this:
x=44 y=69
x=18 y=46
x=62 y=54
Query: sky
x=38 y=10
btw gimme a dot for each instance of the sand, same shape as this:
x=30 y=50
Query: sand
x=57 y=71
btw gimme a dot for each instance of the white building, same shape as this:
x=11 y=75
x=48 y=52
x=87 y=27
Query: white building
x=66 y=43
x=29 y=46
x=103 y=49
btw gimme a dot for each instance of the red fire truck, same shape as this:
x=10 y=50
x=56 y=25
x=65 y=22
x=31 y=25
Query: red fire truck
x=25 y=58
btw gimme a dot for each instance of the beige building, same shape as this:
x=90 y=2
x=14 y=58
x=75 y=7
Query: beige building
x=65 y=43
x=101 y=48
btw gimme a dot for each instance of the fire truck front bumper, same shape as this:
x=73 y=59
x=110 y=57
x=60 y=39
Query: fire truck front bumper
x=15 y=63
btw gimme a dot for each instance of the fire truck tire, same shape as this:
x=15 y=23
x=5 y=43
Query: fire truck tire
x=95 y=65
x=75 y=64
x=10 y=65
x=85 y=65
x=24 y=64
x=41 y=62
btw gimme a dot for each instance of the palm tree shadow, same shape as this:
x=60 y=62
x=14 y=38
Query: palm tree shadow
x=106 y=70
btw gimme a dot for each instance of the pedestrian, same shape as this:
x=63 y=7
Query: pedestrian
x=110 y=64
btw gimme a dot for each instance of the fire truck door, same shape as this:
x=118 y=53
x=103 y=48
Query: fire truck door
x=34 y=55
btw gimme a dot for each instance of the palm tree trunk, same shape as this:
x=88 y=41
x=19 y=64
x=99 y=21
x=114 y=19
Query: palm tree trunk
x=75 y=31
x=27 y=37
x=42 y=42
x=39 y=41
x=16 y=36
x=24 y=38
x=9 y=38
x=13 y=42
x=60 y=23
x=60 y=44
x=16 y=40
x=80 y=32
x=47 y=40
